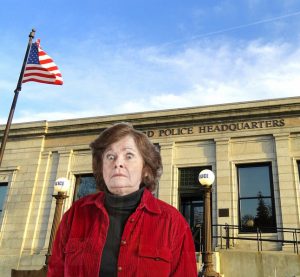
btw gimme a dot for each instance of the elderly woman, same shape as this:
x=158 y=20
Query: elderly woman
x=123 y=230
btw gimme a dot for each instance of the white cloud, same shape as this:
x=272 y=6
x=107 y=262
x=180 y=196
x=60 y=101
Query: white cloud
x=26 y=116
x=229 y=73
x=134 y=80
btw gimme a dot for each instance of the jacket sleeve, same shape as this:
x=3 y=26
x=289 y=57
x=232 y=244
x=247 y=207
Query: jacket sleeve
x=184 y=256
x=57 y=258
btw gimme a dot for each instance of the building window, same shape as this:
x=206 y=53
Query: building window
x=3 y=192
x=256 y=198
x=85 y=184
x=191 y=201
x=188 y=177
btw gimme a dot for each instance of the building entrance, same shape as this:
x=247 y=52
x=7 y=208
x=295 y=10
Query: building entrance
x=192 y=202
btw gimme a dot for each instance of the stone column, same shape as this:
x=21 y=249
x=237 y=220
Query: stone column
x=37 y=224
x=45 y=179
x=167 y=191
x=63 y=170
x=223 y=188
x=285 y=198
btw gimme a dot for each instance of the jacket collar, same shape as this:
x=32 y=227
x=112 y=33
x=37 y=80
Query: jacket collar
x=148 y=201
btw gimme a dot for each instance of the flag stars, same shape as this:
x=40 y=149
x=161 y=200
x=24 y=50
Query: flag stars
x=33 y=56
x=41 y=68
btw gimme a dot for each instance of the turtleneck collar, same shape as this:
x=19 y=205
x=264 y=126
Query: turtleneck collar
x=129 y=201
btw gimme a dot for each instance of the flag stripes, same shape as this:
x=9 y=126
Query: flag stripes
x=41 y=68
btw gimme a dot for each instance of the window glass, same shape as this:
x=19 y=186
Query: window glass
x=260 y=210
x=85 y=184
x=256 y=199
x=254 y=180
x=189 y=176
x=192 y=210
x=3 y=191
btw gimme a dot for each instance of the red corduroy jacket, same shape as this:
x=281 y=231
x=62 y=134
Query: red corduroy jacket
x=156 y=241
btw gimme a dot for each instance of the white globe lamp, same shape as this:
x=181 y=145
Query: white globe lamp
x=206 y=177
x=61 y=185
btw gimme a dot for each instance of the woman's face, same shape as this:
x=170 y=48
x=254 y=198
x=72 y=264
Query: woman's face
x=122 y=167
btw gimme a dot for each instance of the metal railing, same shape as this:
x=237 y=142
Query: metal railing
x=227 y=235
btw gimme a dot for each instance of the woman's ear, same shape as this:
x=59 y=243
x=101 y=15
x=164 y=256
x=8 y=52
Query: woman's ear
x=145 y=175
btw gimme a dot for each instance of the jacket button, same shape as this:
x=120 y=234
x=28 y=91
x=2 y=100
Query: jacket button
x=131 y=220
x=157 y=259
x=120 y=268
x=123 y=242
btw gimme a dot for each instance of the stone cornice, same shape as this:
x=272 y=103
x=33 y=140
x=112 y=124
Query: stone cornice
x=251 y=110
x=176 y=117
x=27 y=129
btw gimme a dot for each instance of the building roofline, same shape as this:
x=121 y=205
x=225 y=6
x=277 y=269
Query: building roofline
x=206 y=113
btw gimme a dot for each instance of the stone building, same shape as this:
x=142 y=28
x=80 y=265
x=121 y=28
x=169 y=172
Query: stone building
x=252 y=147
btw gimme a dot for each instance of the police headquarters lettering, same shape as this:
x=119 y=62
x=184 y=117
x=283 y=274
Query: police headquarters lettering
x=242 y=126
x=230 y=127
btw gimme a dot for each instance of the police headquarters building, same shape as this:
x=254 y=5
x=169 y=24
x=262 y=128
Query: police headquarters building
x=252 y=147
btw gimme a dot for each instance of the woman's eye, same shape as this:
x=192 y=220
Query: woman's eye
x=129 y=156
x=110 y=157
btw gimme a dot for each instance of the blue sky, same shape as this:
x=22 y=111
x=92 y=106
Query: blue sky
x=126 y=56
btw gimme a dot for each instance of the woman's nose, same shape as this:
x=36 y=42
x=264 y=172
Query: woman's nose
x=119 y=162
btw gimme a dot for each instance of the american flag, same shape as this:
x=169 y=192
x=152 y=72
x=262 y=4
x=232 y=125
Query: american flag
x=40 y=67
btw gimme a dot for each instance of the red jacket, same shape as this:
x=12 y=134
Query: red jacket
x=156 y=241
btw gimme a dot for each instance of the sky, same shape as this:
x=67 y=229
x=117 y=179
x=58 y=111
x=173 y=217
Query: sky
x=128 y=56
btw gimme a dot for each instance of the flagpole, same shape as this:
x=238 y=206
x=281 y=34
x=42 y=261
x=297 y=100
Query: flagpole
x=17 y=90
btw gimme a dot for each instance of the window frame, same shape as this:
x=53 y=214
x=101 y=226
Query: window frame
x=269 y=229
x=2 y=205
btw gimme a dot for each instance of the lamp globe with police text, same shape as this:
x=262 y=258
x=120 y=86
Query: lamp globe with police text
x=206 y=179
x=61 y=185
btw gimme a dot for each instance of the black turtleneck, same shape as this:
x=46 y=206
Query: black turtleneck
x=119 y=208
